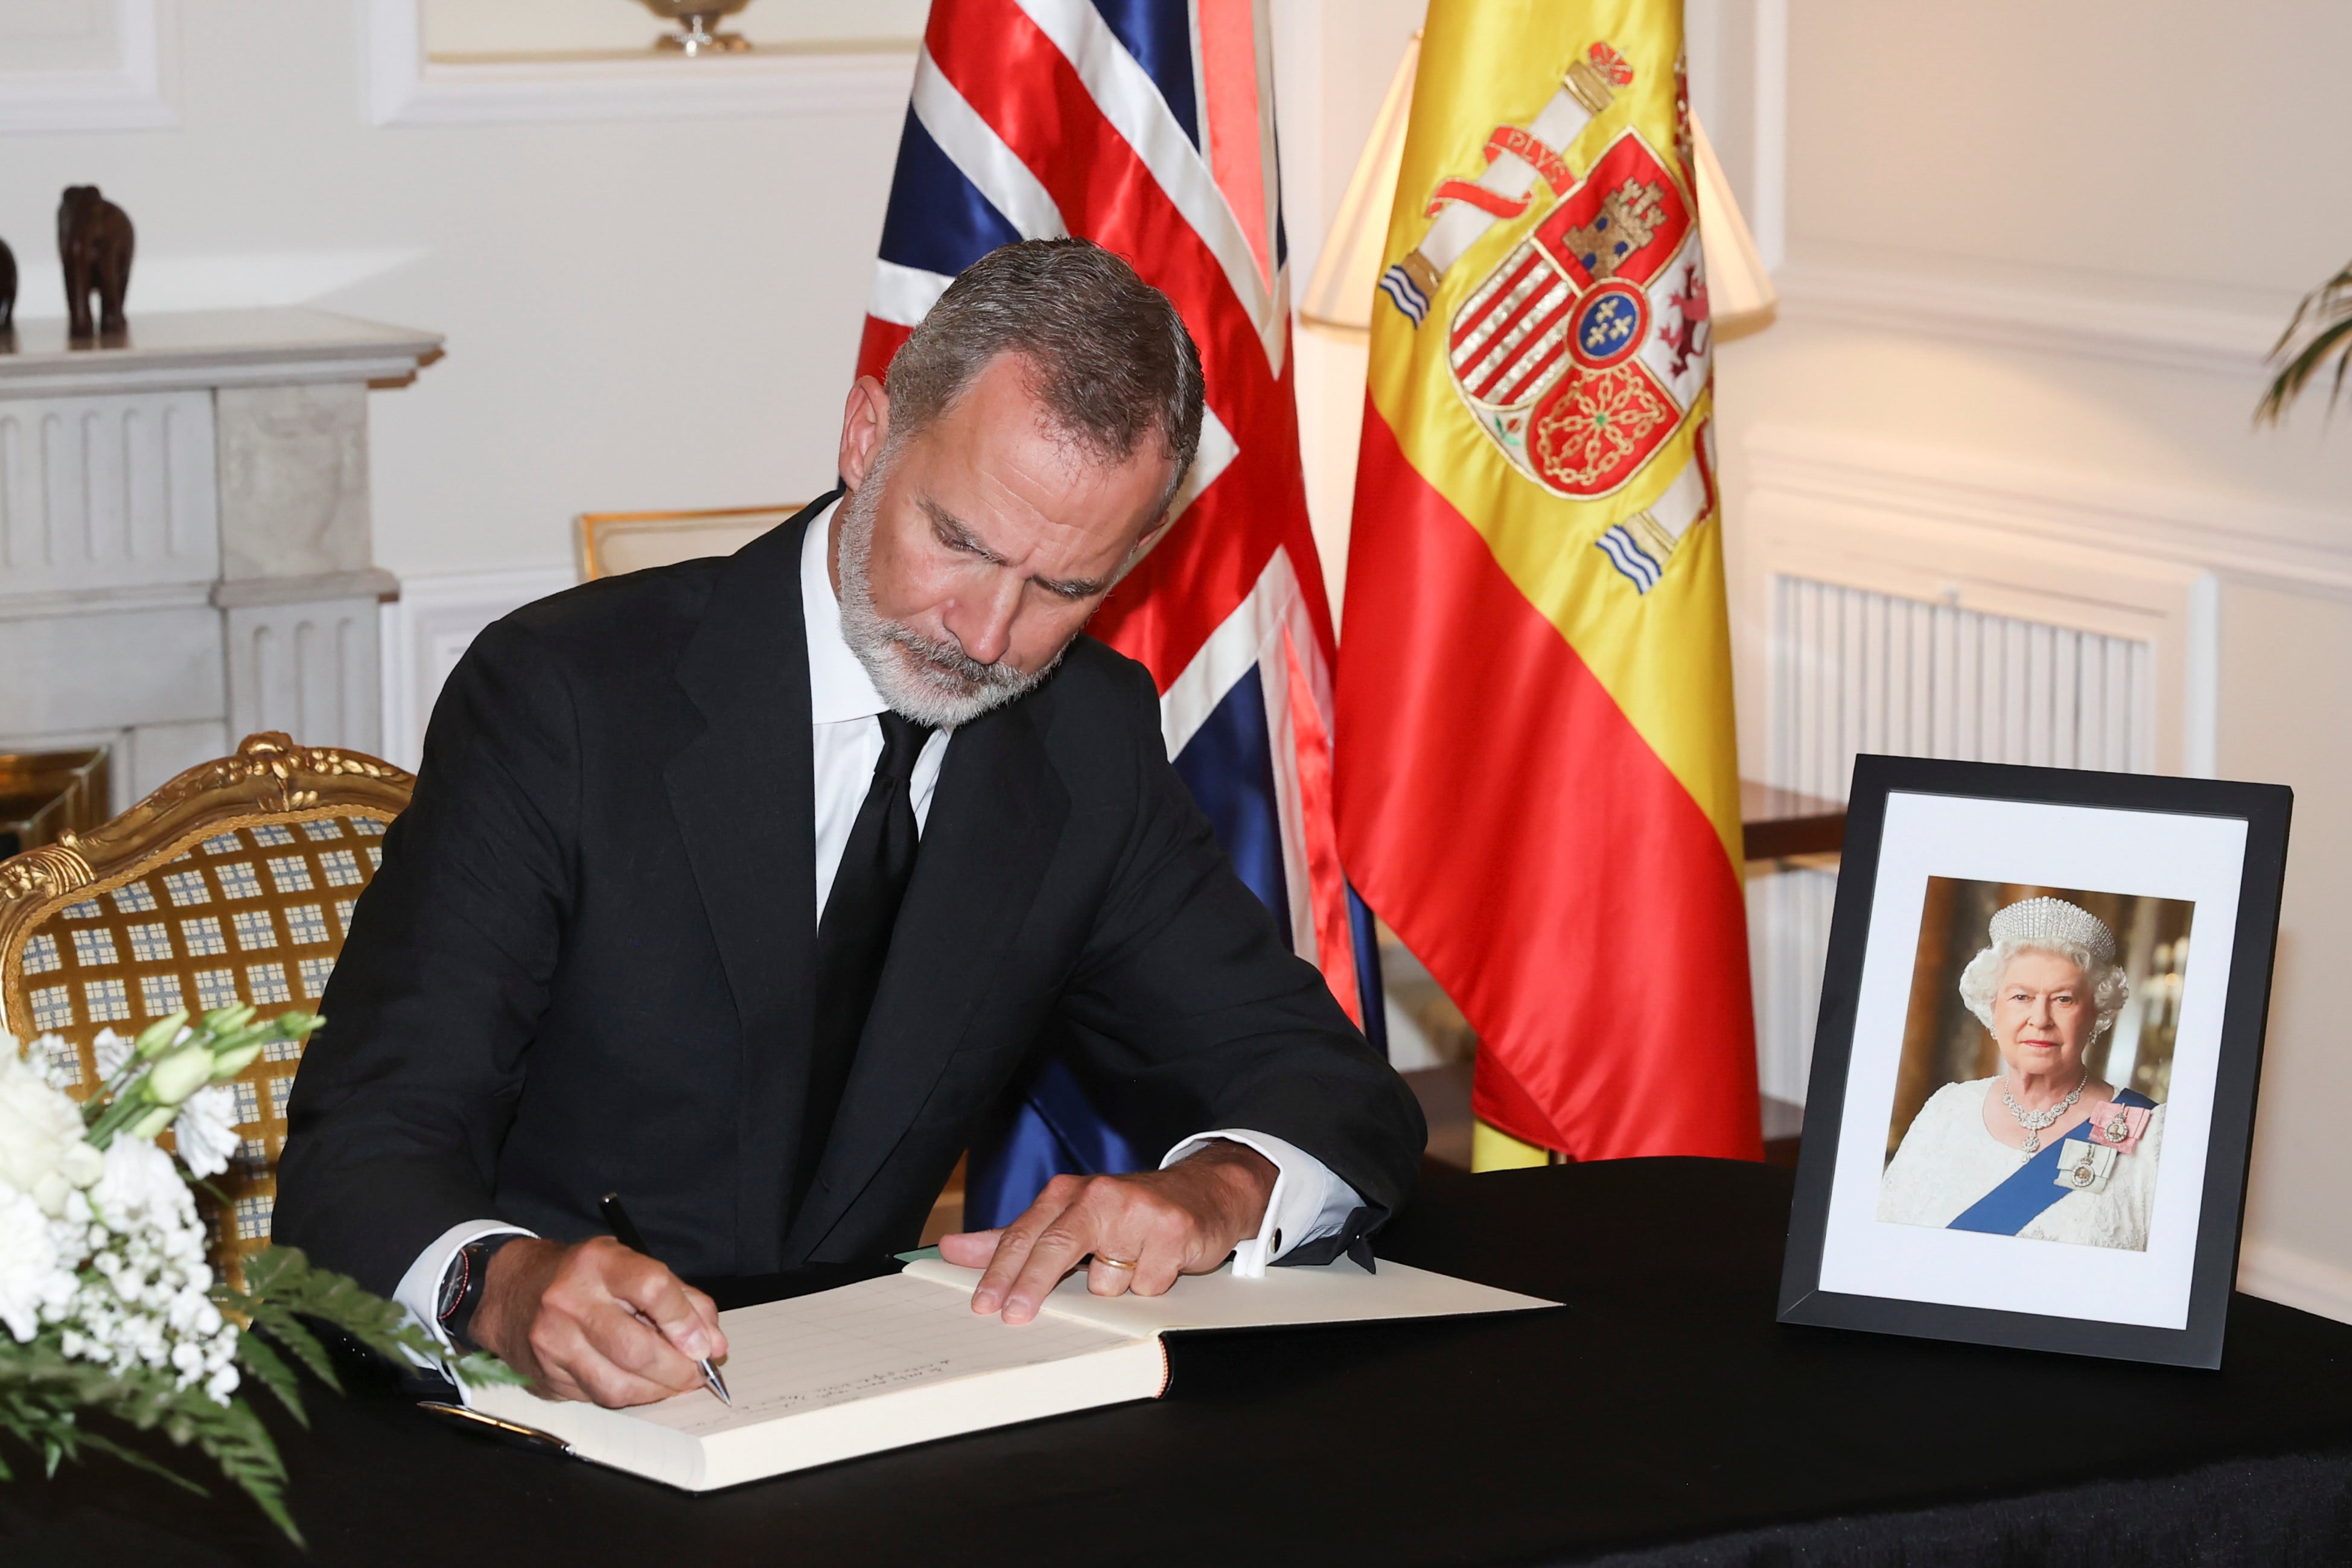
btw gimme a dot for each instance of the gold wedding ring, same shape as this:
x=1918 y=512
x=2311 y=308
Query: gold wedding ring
x=1108 y=1261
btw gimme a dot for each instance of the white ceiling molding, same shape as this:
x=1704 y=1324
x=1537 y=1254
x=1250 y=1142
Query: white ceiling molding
x=2237 y=534
x=405 y=88
x=2209 y=342
x=124 y=93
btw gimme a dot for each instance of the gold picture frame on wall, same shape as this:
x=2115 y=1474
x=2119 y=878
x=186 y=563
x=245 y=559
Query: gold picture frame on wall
x=613 y=543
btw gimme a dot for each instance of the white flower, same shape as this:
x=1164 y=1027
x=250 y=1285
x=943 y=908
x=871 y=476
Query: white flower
x=107 y=1248
x=30 y=1276
x=58 y=1063
x=140 y=1193
x=110 y=1051
x=208 y=1130
x=41 y=1148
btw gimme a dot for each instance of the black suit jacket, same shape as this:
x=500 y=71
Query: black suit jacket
x=586 y=964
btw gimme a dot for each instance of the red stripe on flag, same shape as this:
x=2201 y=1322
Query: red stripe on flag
x=1334 y=940
x=882 y=339
x=1470 y=321
x=1528 y=375
x=1504 y=364
x=1556 y=297
x=1528 y=846
x=1229 y=80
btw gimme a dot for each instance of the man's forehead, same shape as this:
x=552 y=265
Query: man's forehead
x=998 y=467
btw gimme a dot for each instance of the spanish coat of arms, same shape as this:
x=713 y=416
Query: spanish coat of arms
x=1582 y=351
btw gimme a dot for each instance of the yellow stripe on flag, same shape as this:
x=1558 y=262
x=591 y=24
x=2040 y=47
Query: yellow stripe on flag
x=1492 y=1149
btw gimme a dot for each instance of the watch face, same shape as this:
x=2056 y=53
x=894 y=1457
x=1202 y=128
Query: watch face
x=453 y=1282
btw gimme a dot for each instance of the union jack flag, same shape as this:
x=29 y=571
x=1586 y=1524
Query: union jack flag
x=1147 y=126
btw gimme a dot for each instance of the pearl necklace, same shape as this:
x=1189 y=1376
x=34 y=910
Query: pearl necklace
x=2033 y=1121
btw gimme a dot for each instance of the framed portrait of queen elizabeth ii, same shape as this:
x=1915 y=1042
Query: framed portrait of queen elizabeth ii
x=2032 y=1090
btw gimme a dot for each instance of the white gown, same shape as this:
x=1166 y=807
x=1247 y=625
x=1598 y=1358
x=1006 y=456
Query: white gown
x=1947 y=1161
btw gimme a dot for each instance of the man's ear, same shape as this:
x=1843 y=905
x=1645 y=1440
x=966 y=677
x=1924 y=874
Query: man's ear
x=865 y=425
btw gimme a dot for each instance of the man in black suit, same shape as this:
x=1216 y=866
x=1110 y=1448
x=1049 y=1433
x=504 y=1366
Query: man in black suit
x=591 y=961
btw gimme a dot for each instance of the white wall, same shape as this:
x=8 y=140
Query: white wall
x=640 y=313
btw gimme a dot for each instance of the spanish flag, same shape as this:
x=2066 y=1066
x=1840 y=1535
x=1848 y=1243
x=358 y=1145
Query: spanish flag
x=1535 y=772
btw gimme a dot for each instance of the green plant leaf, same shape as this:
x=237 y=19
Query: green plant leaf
x=480 y=1369
x=2323 y=322
x=269 y=1370
x=97 y=1444
x=300 y=1342
x=238 y=1443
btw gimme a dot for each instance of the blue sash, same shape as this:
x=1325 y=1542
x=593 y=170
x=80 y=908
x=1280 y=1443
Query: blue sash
x=2031 y=1189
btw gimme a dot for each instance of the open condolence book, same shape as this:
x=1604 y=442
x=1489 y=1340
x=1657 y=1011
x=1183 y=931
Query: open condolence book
x=904 y=1359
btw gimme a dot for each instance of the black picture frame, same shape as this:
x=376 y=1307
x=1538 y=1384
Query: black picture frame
x=2265 y=810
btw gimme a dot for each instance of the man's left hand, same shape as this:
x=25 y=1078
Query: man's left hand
x=1185 y=1219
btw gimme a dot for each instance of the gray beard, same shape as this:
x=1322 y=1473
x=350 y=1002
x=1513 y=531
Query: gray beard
x=934 y=683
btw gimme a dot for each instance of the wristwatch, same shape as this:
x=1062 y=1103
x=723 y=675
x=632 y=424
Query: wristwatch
x=461 y=1286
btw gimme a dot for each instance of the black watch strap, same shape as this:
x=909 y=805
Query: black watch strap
x=462 y=1282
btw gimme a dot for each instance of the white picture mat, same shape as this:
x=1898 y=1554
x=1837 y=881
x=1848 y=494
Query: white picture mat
x=2152 y=854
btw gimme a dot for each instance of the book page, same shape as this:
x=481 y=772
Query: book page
x=1335 y=1292
x=878 y=1336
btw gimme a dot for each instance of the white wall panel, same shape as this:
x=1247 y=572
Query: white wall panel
x=113 y=491
x=1854 y=670
x=308 y=669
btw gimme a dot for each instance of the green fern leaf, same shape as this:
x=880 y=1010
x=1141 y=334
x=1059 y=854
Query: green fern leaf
x=304 y=1345
x=269 y=1370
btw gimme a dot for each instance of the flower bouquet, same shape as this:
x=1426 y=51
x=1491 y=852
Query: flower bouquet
x=109 y=1305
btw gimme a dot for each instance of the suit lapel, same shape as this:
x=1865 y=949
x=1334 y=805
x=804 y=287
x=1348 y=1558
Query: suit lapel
x=995 y=821
x=742 y=793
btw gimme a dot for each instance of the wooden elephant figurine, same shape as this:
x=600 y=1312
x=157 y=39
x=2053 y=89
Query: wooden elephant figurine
x=94 y=247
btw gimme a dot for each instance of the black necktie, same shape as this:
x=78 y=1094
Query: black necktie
x=853 y=937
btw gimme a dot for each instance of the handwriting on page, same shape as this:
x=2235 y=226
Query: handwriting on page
x=812 y=1351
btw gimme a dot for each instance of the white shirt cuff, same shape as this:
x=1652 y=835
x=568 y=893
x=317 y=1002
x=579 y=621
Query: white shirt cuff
x=1307 y=1204
x=419 y=1290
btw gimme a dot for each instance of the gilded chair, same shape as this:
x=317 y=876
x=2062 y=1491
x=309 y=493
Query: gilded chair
x=233 y=882
x=612 y=542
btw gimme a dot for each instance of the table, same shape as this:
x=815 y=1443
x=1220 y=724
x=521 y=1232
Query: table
x=1663 y=1418
x=1776 y=823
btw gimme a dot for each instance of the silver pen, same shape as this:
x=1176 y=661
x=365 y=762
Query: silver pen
x=616 y=1219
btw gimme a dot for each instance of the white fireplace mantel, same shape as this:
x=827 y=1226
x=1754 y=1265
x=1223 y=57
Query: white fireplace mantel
x=185 y=551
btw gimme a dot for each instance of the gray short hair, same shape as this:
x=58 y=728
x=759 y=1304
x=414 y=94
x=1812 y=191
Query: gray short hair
x=2110 y=988
x=1108 y=355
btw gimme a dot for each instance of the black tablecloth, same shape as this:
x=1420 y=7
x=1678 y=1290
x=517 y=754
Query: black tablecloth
x=1663 y=1418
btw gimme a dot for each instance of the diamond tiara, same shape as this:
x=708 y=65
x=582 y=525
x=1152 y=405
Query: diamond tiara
x=2046 y=923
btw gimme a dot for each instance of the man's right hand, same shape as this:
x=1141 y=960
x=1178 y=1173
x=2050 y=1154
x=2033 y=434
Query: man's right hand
x=595 y=1321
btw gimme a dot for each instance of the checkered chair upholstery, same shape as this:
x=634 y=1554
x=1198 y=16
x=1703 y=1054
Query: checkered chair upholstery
x=235 y=882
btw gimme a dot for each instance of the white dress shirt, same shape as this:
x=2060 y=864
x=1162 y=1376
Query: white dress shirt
x=1308 y=1203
